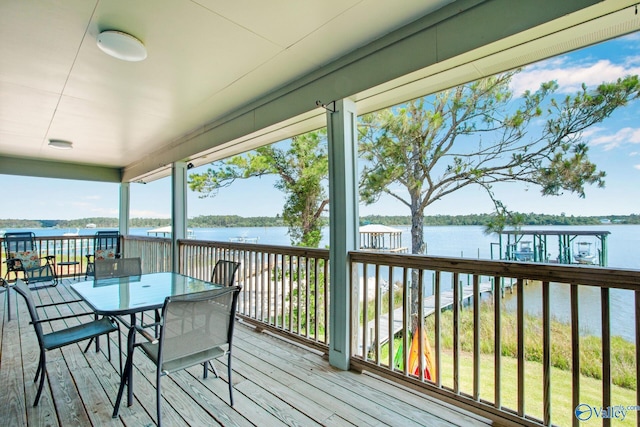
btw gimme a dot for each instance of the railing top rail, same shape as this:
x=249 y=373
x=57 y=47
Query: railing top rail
x=582 y=275
x=275 y=249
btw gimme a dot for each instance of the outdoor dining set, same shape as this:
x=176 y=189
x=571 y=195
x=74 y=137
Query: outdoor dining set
x=192 y=319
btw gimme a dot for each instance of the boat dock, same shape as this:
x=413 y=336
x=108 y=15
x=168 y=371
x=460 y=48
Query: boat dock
x=429 y=304
x=573 y=246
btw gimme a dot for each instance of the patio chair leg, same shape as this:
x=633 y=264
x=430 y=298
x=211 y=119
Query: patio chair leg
x=6 y=284
x=43 y=373
x=108 y=348
x=40 y=366
x=230 y=381
x=88 y=345
x=158 y=398
x=120 y=348
x=213 y=368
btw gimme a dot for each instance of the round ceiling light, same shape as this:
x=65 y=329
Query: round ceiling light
x=60 y=144
x=121 y=45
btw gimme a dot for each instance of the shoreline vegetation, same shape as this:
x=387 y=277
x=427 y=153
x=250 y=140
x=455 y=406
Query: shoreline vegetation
x=222 y=221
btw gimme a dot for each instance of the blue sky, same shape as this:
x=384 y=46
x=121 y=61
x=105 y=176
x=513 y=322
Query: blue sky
x=614 y=147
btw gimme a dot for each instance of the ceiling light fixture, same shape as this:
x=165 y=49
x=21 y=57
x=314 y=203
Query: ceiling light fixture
x=60 y=144
x=121 y=45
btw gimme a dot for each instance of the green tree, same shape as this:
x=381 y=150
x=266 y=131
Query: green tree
x=301 y=169
x=478 y=134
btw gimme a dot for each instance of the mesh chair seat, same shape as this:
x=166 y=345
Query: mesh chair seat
x=182 y=360
x=78 y=333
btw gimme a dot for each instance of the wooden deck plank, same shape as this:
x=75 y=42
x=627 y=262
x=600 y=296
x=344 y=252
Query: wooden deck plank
x=213 y=395
x=275 y=383
x=12 y=399
x=342 y=387
x=320 y=404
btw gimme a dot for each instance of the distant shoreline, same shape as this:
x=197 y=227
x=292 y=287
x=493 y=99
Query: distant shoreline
x=217 y=221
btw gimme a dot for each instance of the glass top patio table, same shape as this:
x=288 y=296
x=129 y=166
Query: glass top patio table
x=128 y=295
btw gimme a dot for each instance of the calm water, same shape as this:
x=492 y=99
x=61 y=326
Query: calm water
x=471 y=242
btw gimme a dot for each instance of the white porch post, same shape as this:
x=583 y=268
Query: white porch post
x=343 y=210
x=125 y=208
x=178 y=209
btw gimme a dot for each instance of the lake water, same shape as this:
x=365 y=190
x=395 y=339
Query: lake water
x=472 y=242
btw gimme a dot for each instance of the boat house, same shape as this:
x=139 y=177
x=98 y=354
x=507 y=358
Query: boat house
x=553 y=246
x=381 y=238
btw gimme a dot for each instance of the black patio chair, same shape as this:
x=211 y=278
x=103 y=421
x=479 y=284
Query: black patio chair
x=106 y=245
x=63 y=337
x=224 y=272
x=24 y=260
x=195 y=329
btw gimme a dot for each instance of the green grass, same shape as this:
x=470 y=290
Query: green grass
x=623 y=367
x=623 y=364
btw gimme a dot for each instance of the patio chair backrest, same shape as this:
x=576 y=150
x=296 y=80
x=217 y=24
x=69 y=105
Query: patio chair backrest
x=195 y=324
x=122 y=267
x=224 y=272
x=22 y=246
x=20 y=241
x=106 y=245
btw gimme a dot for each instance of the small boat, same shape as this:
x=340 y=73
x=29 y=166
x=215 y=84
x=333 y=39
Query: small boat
x=243 y=239
x=91 y=225
x=583 y=254
x=525 y=252
x=71 y=233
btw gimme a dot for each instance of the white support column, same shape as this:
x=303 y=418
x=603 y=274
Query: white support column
x=178 y=209
x=125 y=207
x=343 y=234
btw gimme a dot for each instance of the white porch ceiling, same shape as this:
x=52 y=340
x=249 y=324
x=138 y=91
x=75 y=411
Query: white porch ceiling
x=216 y=70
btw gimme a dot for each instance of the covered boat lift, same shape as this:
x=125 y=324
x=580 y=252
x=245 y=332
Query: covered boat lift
x=381 y=238
x=166 y=231
x=511 y=242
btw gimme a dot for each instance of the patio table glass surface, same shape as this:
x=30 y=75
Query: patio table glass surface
x=127 y=295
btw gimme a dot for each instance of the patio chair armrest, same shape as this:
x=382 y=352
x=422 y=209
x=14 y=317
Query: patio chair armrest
x=89 y=256
x=11 y=261
x=51 y=304
x=48 y=257
x=70 y=316
x=146 y=335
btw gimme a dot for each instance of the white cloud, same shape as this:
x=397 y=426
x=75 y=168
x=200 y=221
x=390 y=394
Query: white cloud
x=623 y=136
x=571 y=76
x=637 y=166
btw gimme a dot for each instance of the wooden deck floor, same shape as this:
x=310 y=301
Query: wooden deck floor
x=276 y=383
